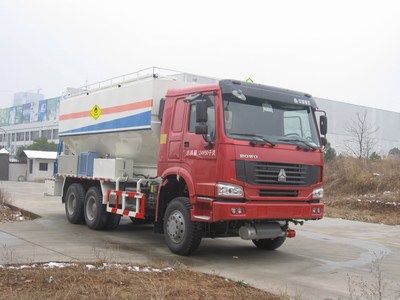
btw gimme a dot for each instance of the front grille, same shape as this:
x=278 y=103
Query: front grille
x=269 y=173
x=278 y=193
x=272 y=173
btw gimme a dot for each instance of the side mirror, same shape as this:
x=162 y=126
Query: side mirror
x=323 y=125
x=201 y=129
x=201 y=111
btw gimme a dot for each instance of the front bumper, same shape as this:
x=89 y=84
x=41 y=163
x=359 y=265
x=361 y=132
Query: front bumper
x=214 y=211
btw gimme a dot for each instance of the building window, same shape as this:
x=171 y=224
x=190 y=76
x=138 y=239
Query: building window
x=46 y=134
x=13 y=137
x=43 y=166
x=30 y=166
x=27 y=136
x=55 y=134
x=34 y=135
x=20 y=136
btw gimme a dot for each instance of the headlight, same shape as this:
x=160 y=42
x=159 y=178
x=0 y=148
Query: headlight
x=229 y=190
x=318 y=193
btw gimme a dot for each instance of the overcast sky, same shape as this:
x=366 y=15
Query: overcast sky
x=342 y=50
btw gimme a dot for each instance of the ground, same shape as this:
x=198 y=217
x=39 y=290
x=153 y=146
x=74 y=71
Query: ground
x=7 y=214
x=329 y=258
x=381 y=207
x=110 y=281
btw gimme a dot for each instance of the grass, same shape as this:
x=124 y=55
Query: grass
x=121 y=282
x=363 y=190
x=351 y=176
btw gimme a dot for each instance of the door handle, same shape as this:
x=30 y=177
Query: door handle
x=186 y=144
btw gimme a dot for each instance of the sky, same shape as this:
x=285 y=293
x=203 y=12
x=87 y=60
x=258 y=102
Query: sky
x=340 y=50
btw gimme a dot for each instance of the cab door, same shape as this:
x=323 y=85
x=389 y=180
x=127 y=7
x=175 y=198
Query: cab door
x=199 y=156
x=176 y=132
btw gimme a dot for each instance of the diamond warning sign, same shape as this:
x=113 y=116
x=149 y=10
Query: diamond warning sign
x=95 y=112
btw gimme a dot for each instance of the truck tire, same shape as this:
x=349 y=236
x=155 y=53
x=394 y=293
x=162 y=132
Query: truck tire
x=96 y=215
x=269 y=244
x=181 y=234
x=74 y=202
x=112 y=221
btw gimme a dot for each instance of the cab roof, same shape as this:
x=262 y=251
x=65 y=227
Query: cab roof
x=267 y=92
x=249 y=89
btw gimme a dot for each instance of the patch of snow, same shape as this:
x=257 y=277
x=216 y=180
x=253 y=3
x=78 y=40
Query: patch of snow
x=52 y=265
x=90 y=267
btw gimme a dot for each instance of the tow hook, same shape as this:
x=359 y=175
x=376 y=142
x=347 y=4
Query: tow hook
x=290 y=233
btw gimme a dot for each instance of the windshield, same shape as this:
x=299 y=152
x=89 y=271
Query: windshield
x=275 y=121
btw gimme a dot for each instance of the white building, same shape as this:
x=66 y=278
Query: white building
x=40 y=164
x=340 y=115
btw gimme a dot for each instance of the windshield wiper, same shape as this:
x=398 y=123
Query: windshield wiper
x=303 y=141
x=255 y=138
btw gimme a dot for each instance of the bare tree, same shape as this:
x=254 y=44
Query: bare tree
x=361 y=142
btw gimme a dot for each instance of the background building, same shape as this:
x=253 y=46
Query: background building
x=385 y=124
x=21 y=98
x=40 y=164
x=22 y=124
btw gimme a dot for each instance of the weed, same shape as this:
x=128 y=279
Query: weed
x=7 y=255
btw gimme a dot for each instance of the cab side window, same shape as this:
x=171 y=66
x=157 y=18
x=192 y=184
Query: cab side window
x=211 y=117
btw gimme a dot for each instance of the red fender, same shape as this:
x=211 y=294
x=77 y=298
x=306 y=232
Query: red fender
x=185 y=175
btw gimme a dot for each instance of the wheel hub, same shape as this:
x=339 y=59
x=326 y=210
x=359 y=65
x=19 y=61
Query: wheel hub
x=176 y=226
x=91 y=208
x=71 y=204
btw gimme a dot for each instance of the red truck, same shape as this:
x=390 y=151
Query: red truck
x=233 y=159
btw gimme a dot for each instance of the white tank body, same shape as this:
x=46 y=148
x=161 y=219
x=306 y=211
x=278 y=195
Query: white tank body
x=118 y=121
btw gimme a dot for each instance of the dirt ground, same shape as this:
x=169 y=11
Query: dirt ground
x=8 y=214
x=374 y=208
x=102 y=281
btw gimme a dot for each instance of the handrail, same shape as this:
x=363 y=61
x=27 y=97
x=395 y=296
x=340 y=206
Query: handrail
x=151 y=72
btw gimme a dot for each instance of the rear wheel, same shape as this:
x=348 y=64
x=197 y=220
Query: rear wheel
x=270 y=244
x=96 y=216
x=74 y=203
x=181 y=234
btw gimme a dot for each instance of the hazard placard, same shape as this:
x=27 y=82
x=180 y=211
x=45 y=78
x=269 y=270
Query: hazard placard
x=95 y=112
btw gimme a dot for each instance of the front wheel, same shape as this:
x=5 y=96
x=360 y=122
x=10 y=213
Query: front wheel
x=269 y=244
x=181 y=234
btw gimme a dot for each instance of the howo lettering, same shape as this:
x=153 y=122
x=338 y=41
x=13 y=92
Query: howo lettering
x=196 y=157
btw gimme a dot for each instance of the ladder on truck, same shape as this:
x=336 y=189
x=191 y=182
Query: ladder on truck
x=129 y=203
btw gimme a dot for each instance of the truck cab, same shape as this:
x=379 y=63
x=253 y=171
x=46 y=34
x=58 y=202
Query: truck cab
x=238 y=158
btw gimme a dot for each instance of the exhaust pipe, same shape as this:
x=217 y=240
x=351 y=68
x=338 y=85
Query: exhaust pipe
x=270 y=230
